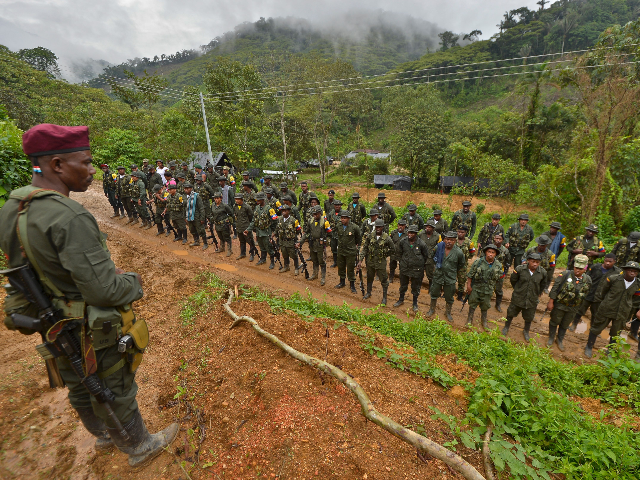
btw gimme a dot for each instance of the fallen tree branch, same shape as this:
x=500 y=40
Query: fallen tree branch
x=420 y=442
x=486 y=455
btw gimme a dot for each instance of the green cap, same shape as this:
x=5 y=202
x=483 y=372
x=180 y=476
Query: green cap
x=581 y=261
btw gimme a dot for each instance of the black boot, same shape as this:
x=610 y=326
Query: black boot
x=160 y=229
x=196 y=241
x=352 y=286
x=263 y=258
x=341 y=284
x=591 y=341
x=525 y=332
x=273 y=262
x=251 y=256
x=335 y=262
x=470 y=316
x=384 y=296
x=400 y=301
x=205 y=244
x=96 y=427
x=460 y=296
x=185 y=239
x=507 y=325
x=116 y=213
x=633 y=331
x=483 y=318
x=552 y=335
x=141 y=446
x=432 y=307
x=447 y=312
x=499 y=303
x=560 y=338
x=323 y=274
x=392 y=274
x=368 y=294
x=575 y=323
x=415 y=303
x=229 y=250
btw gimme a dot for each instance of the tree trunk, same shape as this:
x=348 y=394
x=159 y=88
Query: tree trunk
x=284 y=137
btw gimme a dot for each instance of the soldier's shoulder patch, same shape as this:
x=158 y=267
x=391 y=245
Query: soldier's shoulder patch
x=180 y=198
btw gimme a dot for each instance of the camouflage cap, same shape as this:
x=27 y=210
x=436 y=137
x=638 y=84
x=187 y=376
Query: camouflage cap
x=316 y=209
x=313 y=196
x=225 y=167
x=172 y=163
x=344 y=213
x=285 y=207
x=151 y=167
x=450 y=234
x=634 y=236
x=555 y=225
x=136 y=174
x=412 y=228
x=337 y=202
x=120 y=168
x=632 y=265
x=171 y=186
x=437 y=212
x=373 y=211
x=381 y=195
x=184 y=164
x=187 y=185
x=379 y=223
x=592 y=228
x=268 y=177
x=466 y=203
x=402 y=221
x=283 y=185
x=181 y=175
x=238 y=195
x=523 y=216
x=133 y=165
x=145 y=160
x=581 y=261
x=221 y=178
x=267 y=190
x=492 y=246
x=157 y=188
x=355 y=195
x=534 y=256
x=198 y=177
x=498 y=234
x=209 y=166
x=246 y=184
x=543 y=240
x=464 y=227
x=430 y=223
x=496 y=216
x=260 y=196
x=413 y=206
x=245 y=174
x=217 y=193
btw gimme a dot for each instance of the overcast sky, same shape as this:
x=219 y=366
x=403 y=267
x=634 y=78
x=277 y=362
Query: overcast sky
x=115 y=30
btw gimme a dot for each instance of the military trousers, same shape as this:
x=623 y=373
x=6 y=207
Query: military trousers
x=122 y=383
x=197 y=229
x=528 y=314
x=561 y=316
x=429 y=269
x=416 y=284
x=128 y=206
x=111 y=195
x=288 y=251
x=550 y=273
x=224 y=232
x=498 y=288
x=600 y=322
x=179 y=222
x=244 y=239
x=462 y=277
x=380 y=270
x=158 y=218
x=334 y=245
x=346 y=266
x=265 y=245
x=436 y=289
x=317 y=258
x=481 y=299
x=393 y=265
x=516 y=257
x=143 y=211
x=586 y=305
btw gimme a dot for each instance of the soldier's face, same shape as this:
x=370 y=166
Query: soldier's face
x=412 y=236
x=105 y=169
x=437 y=217
x=429 y=229
x=412 y=213
x=465 y=209
x=355 y=200
x=379 y=230
x=461 y=234
x=121 y=171
x=259 y=202
x=373 y=218
x=338 y=208
x=533 y=264
x=286 y=212
x=218 y=200
x=331 y=196
x=449 y=241
x=74 y=169
x=314 y=203
x=304 y=187
x=577 y=271
x=630 y=274
x=495 y=221
x=523 y=222
x=381 y=201
x=188 y=190
x=490 y=254
x=588 y=234
x=542 y=248
x=402 y=228
x=608 y=263
x=498 y=240
x=553 y=230
x=344 y=220
x=317 y=216
x=172 y=191
x=238 y=201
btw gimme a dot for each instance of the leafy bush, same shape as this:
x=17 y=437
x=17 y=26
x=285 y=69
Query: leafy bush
x=15 y=167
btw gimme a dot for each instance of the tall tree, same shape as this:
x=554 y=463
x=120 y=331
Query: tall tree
x=41 y=59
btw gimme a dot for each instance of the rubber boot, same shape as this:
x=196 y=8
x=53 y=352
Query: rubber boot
x=341 y=284
x=135 y=220
x=352 y=286
x=178 y=236
x=470 y=316
x=392 y=274
x=633 y=331
x=115 y=213
x=96 y=427
x=263 y=258
x=168 y=232
x=368 y=294
x=143 y=224
x=205 y=245
x=415 y=303
x=196 y=241
x=149 y=224
x=315 y=273
x=460 y=296
x=384 y=296
x=241 y=256
x=483 y=318
x=122 y=214
x=507 y=325
x=273 y=262
x=160 y=229
x=223 y=248
x=184 y=236
x=229 y=251
x=499 y=303
x=296 y=267
x=447 y=312
x=323 y=274
x=129 y=221
x=399 y=302
x=560 y=338
x=251 y=256
x=552 y=335
x=335 y=262
x=591 y=341
x=141 y=446
x=285 y=268
x=525 y=332
x=575 y=323
x=432 y=307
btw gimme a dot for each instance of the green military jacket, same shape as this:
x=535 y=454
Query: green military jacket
x=189 y=175
x=447 y=274
x=615 y=298
x=431 y=243
x=377 y=249
x=569 y=291
x=144 y=178
x=596 y=272
x=387 y=214
x=318 y=232
x=252 y=186
x=109 y=182
x=518 y=239
x=484 y=275
x=412 y=257
x=367 y=228
x=290 y=193
x=503 y=256
x=328 y=206
x=249 y=199
x=243 y=215
x=414 y=220
x=485 y=237
x=468 y=219
x=212 y=180
x=221 y=216
x=358 y=213
x=442 y=226
x=155 y=179
x=334 y=221
x=581 y=242
x=206 y=193
x=160 y=201
x=180 y=187
x=138 y=191
x=467 y=247
x=349 y=237
x=303 y=203
x=548 y=258
x=68 y=247
x=625 y=253
x=276 y=192
x=176 y=206
x=261 y=221
x=396 y=236
x=123 y=186
x=526 y=287
x=287 y=230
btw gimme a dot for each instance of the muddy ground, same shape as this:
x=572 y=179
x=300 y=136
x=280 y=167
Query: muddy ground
x=246 y=409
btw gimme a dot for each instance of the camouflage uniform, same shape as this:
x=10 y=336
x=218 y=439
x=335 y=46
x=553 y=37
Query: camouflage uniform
x=125 y=198
x=568 y=293
x=518 y=240
x=431 y=242
x=487 y=232
x=160 y=201
x=504 y=257
x=412 y=259
x=376 y=249
x=243 y=215
x=548 y=262
x=468 y=219
x=483 y=277
x=468 y=250
x=349 y=237
x=261 y=224
x=287 y=230
x=396 y=236
x=386 y=213
x=334 y=222
x=110 y=187
x=175 y=208
x=139 y=194
x=414 y=220
x=222 y=217
x=593 y=244
x=303 y=204
x=624 y=252
x=317 y=232
x=358 y=213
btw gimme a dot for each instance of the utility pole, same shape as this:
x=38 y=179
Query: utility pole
x=206 y=128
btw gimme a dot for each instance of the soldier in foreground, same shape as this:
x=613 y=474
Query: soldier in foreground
x=317 y=230
x=222 y=218
x=413 y=254
x=466 y=217
x=481 y=281
x=261 y=224
x=504 y=257
x=175 y=208
x=243 y=215
x=518 y=238
x=468 y=249
x=376 y=247
x=548 y=258
x=449 y=262
x=349 y=237
x=196 y=216
x=287 y=229
x=397 y=235
x=62 y=242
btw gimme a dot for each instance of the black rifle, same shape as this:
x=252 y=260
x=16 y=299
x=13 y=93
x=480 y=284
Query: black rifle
x=170 y=227
x=360 y=274
x=464 y=301
x=211 y=237
x=25 y=281
x=303 y=262
x=276 y=250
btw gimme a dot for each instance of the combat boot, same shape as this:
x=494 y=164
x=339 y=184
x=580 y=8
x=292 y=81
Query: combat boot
x=115 y=213
x=575 y=323
x=196 y=242
x=392 y=274
x=135 y=220
x=447 y=312
x=223 y=248
x=483 y=317
x=415 y=303
x=560 y=338
x=399 y=302
x=335 y=262
x=129 y=221
x=205 y=245
x=499 y=303
x=141 y=446
x=168 y=232
x=591 y=341
x=230 y=251
x=96 y=427
x=552 y=335
x=368 y=294
x=470 y=316
x=149 y=224
x=177 y=237
x=122 y=215
x=352 y=286
x=314 y=275
x=507 y=326
x=341 y=284
x=251 y=256
x=143 y=224
x=323 y=274
x=525 y=332
x=263 y=258
x=184 y=236
x=285 y=268
x=160 y=229
x=633 y=330
x=384 y=296
x=432 y=307
x=273 y=262
x=241 y=256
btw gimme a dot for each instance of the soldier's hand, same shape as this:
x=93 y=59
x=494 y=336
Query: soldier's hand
x=468 y=290
x=297 y=245
x=506 y=245
x=140 y=202
x=550 y=304
x=245 y=232
x=120 y=271
x=638 y=314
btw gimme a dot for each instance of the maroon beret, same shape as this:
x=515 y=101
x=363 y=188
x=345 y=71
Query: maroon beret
x=49 y=139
